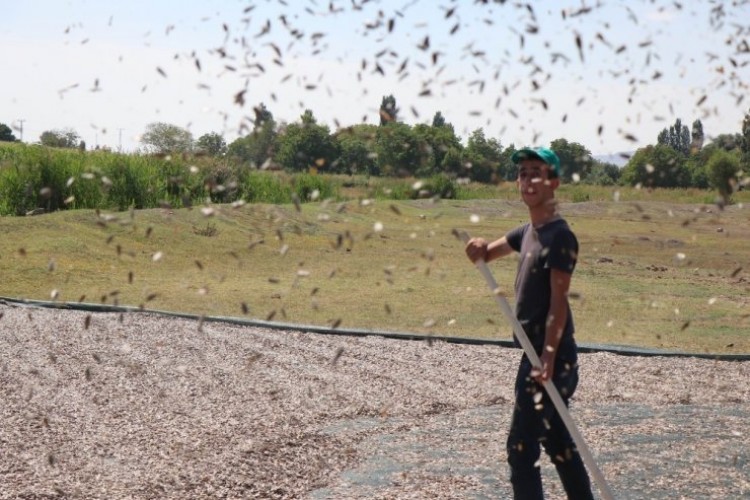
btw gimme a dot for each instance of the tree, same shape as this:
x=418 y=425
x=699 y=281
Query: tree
x=438 y=120
x=676 y=137
x=697 y=137
x=451 y=163
x=745 y=141
x=306 y=145
x=257 y=147
x=507 y=170
x=657 y=166
x=388 y=110
x=356 y=150
x=575 y=159
x=723 y=168
x=696 y=166
x=398 y=148
x=434 y=143
x=727 y=142
x=745 y=134
x=481 y=157
x=212 y=144
x=60 y=138
x=6 y=134
x=262 y=115
x=165 y=138
x=603 y=174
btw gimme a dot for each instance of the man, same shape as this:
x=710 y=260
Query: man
x=548 y=252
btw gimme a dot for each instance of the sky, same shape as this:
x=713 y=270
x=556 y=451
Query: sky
x=106 y=69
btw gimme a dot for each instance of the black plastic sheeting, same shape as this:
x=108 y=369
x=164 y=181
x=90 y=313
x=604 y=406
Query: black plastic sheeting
x=585 y=348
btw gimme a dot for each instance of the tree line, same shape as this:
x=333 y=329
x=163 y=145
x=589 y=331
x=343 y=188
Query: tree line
x=393 y=148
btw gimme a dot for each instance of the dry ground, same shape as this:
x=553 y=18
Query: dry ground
x=142 y=406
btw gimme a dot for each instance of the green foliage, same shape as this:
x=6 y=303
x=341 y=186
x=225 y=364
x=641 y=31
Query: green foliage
x=435 y=142
x=657 y=166
x=697 y=137
x=507 y=171
x=579 y=195
x=745 y=142
x=723 y=168
x=311 y=187
x=306 y=145
x=64 y=138
x=745 y=134
x=575 y=159
x=165 y=138
x=727 y=142
x=263 y=187
x=17 y=188
x=482 y=157
x=438 y=120
x=398 y=148
x=212 y=144
x=439 y=186
x=388 y=110
x=33 y=177
x=257 y=147
x=451 y=164
x=696 y=166
x=262 y=115
x=355 y=145
x=130 y=181
x=603 y=174
x=677 y=137
x=6 y=134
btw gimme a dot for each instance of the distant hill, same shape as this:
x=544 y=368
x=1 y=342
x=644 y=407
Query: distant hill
x=619 y=159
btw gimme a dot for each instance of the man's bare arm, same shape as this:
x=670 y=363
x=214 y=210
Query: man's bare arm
x=478 y=248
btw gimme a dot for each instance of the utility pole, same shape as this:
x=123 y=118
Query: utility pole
x=20 y=128
x=119 y=147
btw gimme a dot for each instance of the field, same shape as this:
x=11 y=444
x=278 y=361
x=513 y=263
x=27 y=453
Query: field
x=656 y=269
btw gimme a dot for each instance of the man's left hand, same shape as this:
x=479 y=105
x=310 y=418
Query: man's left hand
x=547 y=369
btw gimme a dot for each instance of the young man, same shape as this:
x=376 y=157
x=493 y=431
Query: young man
x=548 y=252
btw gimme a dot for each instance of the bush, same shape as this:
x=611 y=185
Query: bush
x=722 y=169
x=33 y=177
x=579 y=195
x=263 y=187
x=440 y=186
x=304 y=185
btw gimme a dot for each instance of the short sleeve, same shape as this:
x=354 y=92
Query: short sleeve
x=515 y=236
x=563 y=252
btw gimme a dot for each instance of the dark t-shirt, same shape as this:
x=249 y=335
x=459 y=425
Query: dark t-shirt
x=551 y=246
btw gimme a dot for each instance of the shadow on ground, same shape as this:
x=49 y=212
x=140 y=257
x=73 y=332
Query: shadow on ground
x=675 y=451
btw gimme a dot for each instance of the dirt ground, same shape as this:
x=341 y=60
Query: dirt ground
x=102 y=405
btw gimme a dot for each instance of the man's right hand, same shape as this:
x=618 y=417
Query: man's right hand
x=476 y=249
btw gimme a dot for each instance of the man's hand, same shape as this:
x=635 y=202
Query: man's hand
x=547 y=370
x=476 y=249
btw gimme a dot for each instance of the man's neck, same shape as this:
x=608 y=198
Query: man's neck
x=544 y=214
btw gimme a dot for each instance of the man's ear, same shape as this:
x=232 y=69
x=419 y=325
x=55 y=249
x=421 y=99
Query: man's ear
x=554 y=182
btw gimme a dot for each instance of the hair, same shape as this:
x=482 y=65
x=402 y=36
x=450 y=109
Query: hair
x=551 y=173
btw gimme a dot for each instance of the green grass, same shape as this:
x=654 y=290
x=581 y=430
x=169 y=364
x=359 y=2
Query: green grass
x=327 y=263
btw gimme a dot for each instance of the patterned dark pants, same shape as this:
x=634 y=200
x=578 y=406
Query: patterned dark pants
x=536 y=422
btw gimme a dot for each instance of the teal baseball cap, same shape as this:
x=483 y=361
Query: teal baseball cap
x=545 y=154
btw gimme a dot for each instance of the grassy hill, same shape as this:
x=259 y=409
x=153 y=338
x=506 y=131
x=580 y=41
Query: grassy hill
x=651 y=273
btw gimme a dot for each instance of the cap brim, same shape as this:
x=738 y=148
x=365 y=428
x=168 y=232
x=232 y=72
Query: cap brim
x=525 y=154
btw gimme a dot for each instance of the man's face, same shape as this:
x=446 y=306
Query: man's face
x=534 y=182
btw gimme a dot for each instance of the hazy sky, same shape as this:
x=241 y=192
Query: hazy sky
x=108 y=68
